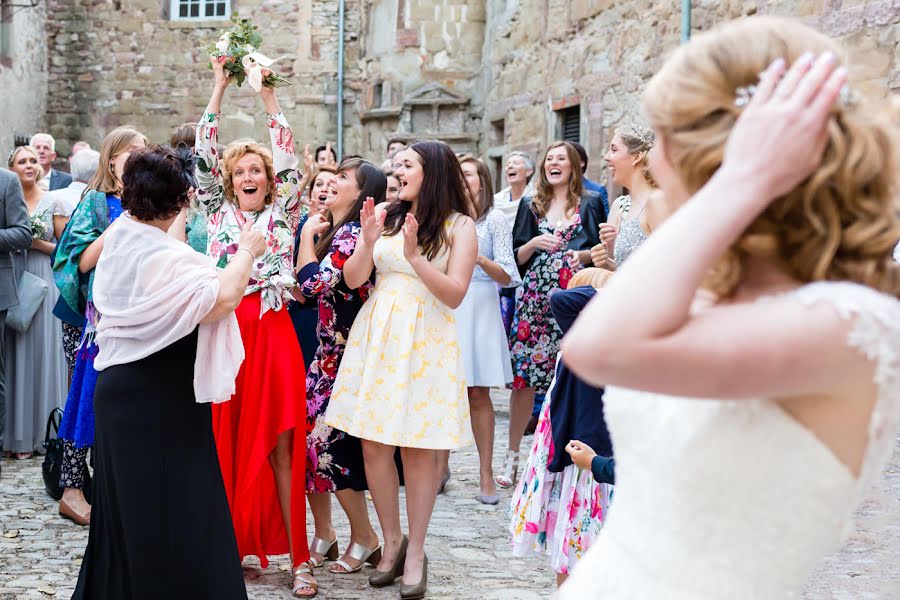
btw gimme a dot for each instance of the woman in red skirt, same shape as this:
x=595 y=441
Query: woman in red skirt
x=262 y=464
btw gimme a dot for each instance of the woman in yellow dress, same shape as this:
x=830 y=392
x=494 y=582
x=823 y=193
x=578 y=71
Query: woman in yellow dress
x=401 y=382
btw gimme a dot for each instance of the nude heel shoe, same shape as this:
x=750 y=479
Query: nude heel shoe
x=417 y=591
x=380 y=579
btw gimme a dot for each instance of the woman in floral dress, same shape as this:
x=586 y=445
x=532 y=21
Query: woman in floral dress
x=263 y=466
x=552 y=239
x=334 y=461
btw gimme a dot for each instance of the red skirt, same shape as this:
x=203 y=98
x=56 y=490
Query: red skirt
x=269 y=398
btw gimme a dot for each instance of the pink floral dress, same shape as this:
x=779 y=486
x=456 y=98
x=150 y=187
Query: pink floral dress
x=556 y=514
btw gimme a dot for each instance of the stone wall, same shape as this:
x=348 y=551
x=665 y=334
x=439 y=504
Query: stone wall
x=488 y=76
x=115 y=63
x=598 y=54
x=23 y=73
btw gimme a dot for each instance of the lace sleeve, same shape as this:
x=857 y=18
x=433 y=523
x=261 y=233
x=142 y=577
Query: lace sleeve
x=875 y=331
x=501 y=246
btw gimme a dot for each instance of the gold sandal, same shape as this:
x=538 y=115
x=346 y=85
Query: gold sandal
x=359 y=553
x=328 y=550
x=301 y=583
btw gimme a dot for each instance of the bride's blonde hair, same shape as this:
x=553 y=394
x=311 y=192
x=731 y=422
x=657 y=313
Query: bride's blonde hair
x=841 y=223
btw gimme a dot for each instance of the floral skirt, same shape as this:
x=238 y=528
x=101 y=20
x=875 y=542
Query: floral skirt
x=556 y=514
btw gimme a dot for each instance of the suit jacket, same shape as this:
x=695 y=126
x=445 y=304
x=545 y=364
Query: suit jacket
x=592 y=214
x=59 y=180
x=15 y=235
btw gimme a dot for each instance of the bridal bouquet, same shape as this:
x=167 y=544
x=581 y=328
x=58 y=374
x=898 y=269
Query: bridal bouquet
x=38 y=229
x=240 y=44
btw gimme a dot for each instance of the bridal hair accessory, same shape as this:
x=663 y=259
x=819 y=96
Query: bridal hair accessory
x=847 y=98
x=240 y=46
x=644 y=134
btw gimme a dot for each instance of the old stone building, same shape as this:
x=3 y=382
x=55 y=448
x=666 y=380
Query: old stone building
x=488 y=76
x=23 y=70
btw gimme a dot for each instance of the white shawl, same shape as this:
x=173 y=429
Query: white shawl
x=152 y=290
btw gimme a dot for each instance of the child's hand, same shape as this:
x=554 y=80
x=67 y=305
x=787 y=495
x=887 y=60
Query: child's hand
x=581 y=454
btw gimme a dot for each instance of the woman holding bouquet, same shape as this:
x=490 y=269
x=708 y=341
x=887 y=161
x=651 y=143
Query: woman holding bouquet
x=263 y=466
x=34 y=361
x=73 y=269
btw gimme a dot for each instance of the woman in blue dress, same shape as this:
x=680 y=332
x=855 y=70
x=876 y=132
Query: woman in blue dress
x=76 y=256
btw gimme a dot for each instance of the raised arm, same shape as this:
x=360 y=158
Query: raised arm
x=211 y=194
x=17 y=233
x=450 y=287
x=795 y=350
x=287 y=176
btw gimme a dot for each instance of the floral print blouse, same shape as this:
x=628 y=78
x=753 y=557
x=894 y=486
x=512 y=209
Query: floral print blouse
x=273 y=273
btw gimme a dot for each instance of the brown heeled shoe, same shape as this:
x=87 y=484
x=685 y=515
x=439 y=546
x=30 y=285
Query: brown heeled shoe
x=378 y=579
x=67 y=512
x=417 y=591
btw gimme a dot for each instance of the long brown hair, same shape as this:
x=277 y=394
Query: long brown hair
x=838 y=224
x=483 y=205
x=543 y=195
x=118 y=141
x=443 y=193
x=371 y=182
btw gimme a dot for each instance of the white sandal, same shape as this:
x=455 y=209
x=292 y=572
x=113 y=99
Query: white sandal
x=358 y=552
x=301 y=583
x=328 y=550
x=510 y=469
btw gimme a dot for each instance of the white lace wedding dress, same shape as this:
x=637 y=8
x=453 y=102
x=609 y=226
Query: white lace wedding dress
x=735 y=499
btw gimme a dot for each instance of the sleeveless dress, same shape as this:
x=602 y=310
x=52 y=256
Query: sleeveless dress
x=401 y=381
x=736 y=499
x=631 y=234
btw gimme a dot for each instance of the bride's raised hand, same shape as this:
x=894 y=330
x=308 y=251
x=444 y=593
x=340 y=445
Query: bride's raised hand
x=780 y=136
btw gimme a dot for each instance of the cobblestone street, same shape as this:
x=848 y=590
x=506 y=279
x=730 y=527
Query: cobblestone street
x=40 y=553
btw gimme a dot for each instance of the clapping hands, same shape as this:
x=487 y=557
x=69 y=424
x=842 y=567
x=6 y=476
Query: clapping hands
x=372 y=224
x=410 y=231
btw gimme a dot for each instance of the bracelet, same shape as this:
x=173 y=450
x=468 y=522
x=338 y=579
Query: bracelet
x=252 y=256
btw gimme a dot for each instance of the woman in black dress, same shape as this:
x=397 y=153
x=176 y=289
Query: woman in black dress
x=160 y=525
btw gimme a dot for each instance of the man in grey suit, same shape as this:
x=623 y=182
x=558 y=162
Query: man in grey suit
x=15 y=235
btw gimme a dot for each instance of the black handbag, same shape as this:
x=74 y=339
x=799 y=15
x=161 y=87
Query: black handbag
x=53 y=460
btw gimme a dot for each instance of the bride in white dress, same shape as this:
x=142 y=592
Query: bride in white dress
x=743 y=453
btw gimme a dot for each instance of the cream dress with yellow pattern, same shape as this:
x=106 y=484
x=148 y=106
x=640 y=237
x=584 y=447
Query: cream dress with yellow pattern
x=401 y=381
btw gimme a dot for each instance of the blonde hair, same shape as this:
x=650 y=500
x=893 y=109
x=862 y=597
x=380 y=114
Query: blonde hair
x=592 y=276
x=841 y=222
x=17 y=151
x=236 y=151
x=639 y=140
x=118 y=141
x=543 y=194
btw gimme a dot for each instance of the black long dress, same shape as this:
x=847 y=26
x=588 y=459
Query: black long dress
x=160 y=524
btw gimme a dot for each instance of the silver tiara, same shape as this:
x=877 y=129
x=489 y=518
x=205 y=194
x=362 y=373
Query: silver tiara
x=642 y=133
x=742 y=95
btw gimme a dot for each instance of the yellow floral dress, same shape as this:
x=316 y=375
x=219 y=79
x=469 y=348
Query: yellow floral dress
x=401 y=381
